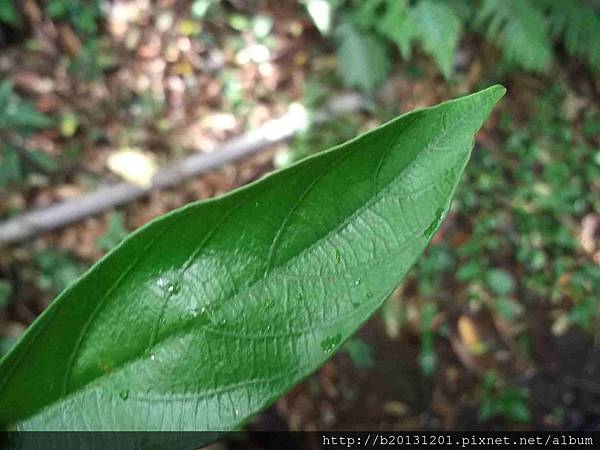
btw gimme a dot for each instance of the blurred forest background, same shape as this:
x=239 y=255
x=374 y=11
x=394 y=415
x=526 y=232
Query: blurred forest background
x=496 y=327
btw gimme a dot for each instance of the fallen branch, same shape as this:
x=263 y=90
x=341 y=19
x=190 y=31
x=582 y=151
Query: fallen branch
x=110 y=196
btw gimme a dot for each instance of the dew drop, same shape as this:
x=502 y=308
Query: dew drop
x=357 y=282
x=269 y=303
x=369 y=294
x=124 y=394
x=201 y=314
x=174 y=287
x=435 y=224
x=330 y=342
x=152 y=357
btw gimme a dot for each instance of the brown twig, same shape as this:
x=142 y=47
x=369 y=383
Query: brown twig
x=109 y=196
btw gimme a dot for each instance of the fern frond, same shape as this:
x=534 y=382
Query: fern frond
x=398 y=26
x=579 y=25
x=519 y=29
x=438 y=28
x=362 y=57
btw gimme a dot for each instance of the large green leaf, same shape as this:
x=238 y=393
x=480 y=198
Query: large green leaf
x=207 y=314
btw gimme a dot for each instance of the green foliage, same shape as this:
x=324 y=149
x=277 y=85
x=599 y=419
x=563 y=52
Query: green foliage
x=82 y=14
x=16 y=113
x=438 y=29
x=440 y=260
x=519 y=29
x=8 y=14
x=397 y=25
x=10 y=166
x=5 y=290
x=316 y=139
x=577 y=23
x=90 y=63
x=519 y=203
x=362 y=59
x=214 y=310
x=18 y=119
x=360 y=353
x=115 y=232
x=500 y=281
x=202 y=8
x=58 y=270
x=427 y=357
x=524 y=30
x=507 y=402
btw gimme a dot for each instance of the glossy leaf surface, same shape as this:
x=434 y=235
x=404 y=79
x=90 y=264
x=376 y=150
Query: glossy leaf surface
x=208 y=314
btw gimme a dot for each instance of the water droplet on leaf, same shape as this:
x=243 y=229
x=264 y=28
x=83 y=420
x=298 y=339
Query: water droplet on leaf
x=357 y=282
x=330 y=342
x=269 y=303
x=124 y=394
x=174 y=287
x=435 y=224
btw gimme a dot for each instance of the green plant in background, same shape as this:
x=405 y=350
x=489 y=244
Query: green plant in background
x=214 y=310
x=502 y=401
x=8 y=14
x=115 y=232
x=526 y=228
x=362 y=59
x=91 y=61
x=5 y=290
x=427 y=357
x=18 y=119
x=85 y=17
x=203 y=8
x=315 y=139
x=576 y=23
x=518 y=28
x=82 y=14
x=360 y=353
x=56 y=270
x=524 y=30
